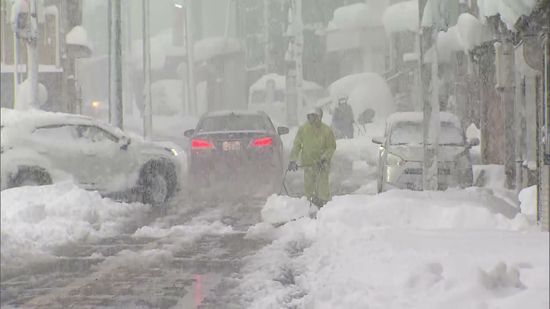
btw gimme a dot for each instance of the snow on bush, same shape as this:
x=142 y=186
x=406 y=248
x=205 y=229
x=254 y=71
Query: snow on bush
x=35 y=220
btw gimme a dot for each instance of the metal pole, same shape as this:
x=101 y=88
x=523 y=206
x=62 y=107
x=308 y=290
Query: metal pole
x=16 y=68
x=299 y=27
x=115 y=71
x=32 y=56
x=147 y=108
x=193 y=108
x=291 y=73
x=266 y=37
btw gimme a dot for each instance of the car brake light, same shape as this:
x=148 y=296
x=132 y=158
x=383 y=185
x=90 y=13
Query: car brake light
x=200 y=144
x=262 y=142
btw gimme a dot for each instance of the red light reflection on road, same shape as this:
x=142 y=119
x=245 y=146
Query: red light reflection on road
x=198 y=290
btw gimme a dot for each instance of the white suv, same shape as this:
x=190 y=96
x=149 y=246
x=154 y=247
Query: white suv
x=42 y=147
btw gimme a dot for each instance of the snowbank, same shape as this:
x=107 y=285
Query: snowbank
x=453 y=249
x=36 y=220
x=281 y=209
x=402 y=16
x=23 y=101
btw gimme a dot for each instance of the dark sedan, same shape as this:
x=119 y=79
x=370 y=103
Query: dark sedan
x=236 y=153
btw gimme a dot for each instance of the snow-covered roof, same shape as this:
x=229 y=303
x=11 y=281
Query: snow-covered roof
x=419 y=117
x=216 y=46
x=510 y=10
x=468 y=33
x=402 y=16
x=354 y=16
x=280 y=83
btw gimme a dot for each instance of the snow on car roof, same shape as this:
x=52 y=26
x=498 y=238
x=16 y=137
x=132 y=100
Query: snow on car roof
x=229 y=112
x=419 y=116
x=35 y=118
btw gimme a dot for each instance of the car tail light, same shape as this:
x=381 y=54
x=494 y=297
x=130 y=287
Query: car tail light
x=262 y=142
x=200 y=144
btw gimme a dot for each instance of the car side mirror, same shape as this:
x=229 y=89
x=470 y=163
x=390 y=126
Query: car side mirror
x=473 y=142
x=125 y=142
x=378 y=140
x=189 y=133
x=282 y=130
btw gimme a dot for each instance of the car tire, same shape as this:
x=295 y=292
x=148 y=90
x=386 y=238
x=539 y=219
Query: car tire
x=157 y=183
x=30 y=176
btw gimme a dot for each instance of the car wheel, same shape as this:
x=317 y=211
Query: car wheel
x=30 y=176
x=155 y=188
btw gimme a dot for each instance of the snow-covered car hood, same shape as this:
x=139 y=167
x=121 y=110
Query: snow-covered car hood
x=416 y=152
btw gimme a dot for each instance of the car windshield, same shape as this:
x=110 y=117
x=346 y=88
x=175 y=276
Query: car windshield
x=406 y=133
x=233 y=122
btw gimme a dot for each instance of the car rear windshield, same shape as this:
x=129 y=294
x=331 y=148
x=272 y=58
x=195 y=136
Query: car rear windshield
x=404 y=133
x=234 y=122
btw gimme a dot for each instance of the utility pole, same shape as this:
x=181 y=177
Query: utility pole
x=192 y=101
x=147 y=102
x=293 y=59
x=32 y=55
x=267 y=60
x=431 y=122
x=115 y=64
x=504 y=50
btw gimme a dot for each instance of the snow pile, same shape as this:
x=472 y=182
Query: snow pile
x=510 y=10
x=354 y=16
x=23 y=101
x=364 y=90
x=281 y=209
x=402 y=16
x=402 y=249
x=184 y=233
x=35 y=220
x=78 y=36
x=528 y=203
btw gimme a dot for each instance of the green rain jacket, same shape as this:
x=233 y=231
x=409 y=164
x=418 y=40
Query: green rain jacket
x=313 y=143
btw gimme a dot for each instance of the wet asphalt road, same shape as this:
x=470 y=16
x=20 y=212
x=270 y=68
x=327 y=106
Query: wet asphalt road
x=197 y=276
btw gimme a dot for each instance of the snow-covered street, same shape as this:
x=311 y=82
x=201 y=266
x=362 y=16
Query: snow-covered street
x=63 y=246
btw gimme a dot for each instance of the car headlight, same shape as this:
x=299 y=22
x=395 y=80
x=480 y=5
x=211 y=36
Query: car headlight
x=174 y=152
x=395 y=160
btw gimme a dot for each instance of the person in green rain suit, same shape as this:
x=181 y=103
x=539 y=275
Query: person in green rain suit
x=314 y=146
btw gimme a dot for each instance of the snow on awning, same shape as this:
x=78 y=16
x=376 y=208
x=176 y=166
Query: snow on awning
x=468 y=33
x=510 y=10
x=355 y=16
x=402 y=16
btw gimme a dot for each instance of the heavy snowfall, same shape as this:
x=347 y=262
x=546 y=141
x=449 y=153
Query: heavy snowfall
x=275 y=154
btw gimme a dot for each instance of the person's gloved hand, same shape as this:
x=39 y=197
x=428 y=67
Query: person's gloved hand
x=292 y=166
x=322 y=164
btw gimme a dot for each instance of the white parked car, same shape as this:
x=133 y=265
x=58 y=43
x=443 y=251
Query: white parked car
x=40 y=148
x=401 y=153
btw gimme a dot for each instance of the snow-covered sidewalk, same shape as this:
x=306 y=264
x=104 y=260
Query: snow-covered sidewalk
x=401 y=249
